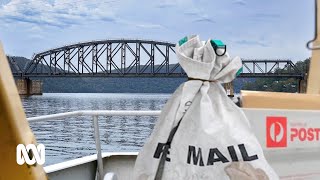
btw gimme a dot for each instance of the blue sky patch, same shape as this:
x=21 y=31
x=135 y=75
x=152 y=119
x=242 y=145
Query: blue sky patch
x=252 y=29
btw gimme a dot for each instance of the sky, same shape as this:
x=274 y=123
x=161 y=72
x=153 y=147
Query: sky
x=251 y=29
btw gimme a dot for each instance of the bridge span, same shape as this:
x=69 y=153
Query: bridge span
x=130 y=58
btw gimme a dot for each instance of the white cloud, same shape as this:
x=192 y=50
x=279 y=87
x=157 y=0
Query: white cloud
x=139 y=24
x=64 y=13
x=174 y=3
x=240 y=2
x=198 y=15
x=245 y=42
x=204 y=18
x=60 y=13
x=149 y=26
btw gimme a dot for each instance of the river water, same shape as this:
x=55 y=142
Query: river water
x=73 y=137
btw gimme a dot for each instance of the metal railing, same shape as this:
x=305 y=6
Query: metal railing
x=95 y=114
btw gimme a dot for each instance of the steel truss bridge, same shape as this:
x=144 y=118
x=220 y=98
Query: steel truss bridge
x=130 y=58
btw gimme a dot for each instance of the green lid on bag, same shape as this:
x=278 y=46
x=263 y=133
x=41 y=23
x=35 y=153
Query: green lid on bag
x=183 y=40
x=217 y=43
x=239 y=71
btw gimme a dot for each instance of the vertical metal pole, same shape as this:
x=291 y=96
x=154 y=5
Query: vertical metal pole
x=109 y=57
x=94 y=58
x=55 y=62
x=137 y=58
x=167 y=59
x=98 y=146
x=123 y=58
x=68 y=59
x=152 y=59
x=50 y=64
x=41 y=65
x=64 y=61
x=80 y=58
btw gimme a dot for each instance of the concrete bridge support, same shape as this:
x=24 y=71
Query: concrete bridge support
x=29 y=87
x=302 y=86
x=229 y=89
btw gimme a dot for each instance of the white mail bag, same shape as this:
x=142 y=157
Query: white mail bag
x=201 y=133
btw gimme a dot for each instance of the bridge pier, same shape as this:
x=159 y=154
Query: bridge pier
x=27 y=86
x=229 y=89
x=302 y=85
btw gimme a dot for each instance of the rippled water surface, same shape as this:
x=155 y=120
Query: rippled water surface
x=73 y=137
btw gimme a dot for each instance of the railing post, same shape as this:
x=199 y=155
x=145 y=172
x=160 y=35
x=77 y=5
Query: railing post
x=98 y=146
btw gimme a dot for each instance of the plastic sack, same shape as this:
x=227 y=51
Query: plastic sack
x=201 y=133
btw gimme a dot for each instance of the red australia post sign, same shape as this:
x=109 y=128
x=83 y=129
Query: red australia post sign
x=282 y=133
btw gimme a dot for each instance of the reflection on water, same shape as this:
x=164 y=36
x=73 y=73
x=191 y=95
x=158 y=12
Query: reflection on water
x=73 y=137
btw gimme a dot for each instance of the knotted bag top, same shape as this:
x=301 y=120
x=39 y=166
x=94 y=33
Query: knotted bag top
x=200 y=61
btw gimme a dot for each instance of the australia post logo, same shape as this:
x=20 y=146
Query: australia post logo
x=30 y=154
x=280 y=133
x=276 y=132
